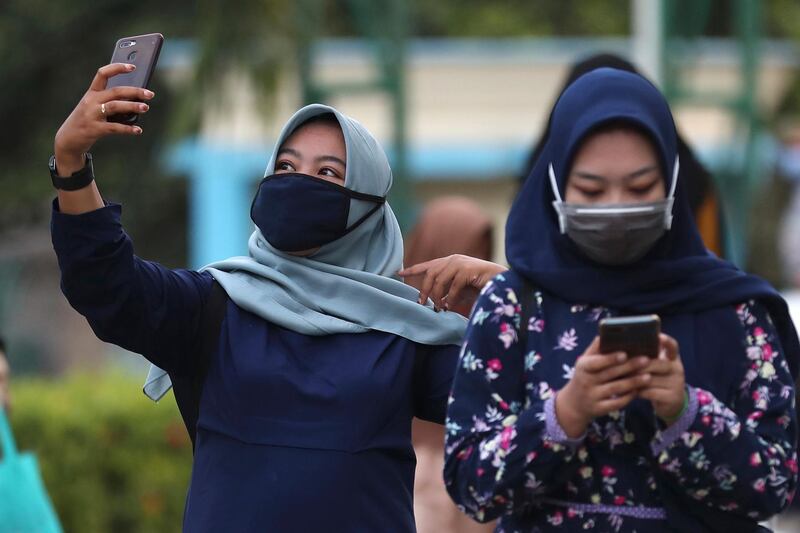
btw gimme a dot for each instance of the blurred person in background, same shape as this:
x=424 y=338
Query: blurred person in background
x=447 y=226
x=322 y=355
x=549 y=434
x=699 y=183
x=788 y=168
x=5 y=377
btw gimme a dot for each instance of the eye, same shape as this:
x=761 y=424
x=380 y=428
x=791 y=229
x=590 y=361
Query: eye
x=590 y=193
x=643 y=190
x=284 y=166
x=328 y=171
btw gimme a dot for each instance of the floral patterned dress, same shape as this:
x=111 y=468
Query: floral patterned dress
x=507 y=456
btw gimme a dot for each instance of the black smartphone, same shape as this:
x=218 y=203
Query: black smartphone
x=139 y=50
x=634 y=335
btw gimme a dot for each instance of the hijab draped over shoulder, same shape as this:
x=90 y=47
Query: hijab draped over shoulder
x=349 y=285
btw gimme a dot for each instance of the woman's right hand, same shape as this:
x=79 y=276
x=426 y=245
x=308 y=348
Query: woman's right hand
x=601 y=383
x=87 y=122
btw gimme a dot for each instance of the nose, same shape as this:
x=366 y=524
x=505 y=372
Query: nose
x=618 y=195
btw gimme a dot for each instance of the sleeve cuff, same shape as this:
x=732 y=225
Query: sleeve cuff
x=100 y=225
x=665 y=439
x=553 y=430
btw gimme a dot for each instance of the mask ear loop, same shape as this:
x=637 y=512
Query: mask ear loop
x=562 y=220
x=671 y=197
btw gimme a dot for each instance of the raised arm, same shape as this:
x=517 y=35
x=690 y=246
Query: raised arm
x=137 y=304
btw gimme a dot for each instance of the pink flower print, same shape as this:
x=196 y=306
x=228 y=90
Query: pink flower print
x=571 y=513
x=507 y=335
x=568 y=340
x=792 y=464
x=703 y=398
x=493 y=367
x=480 y=472
x=531 y=456
x=759 y=336
x=536 y=325
x=706 y=420
x=754 y=354
x=463 y=455
x=556 y=518
x=755 y=459
x=619 y=500
x=766 y=352
x=505 y=437
x=505 y=310
x=760 y=485
x=760 y=398
x=607 y=471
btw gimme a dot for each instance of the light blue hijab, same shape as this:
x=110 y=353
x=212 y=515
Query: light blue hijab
x=348 y=286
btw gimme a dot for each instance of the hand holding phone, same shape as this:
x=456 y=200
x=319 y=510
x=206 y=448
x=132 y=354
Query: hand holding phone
x=634 y=335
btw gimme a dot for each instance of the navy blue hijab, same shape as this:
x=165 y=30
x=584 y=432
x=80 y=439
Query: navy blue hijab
x=678 y=277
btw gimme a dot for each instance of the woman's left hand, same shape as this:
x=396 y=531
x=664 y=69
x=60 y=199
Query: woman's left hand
x=451 y=282
x=666 y=389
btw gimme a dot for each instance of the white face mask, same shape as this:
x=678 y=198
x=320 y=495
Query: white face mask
x=615 y=234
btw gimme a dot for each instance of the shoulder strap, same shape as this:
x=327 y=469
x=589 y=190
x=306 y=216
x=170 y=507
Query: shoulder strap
x=526 y=308
x=188 y=389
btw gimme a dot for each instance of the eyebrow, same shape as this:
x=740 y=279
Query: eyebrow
x=635 y=174
x=295 y=153
x=332 y=158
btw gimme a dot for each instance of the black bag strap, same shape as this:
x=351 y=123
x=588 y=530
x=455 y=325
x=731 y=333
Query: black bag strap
x=189 y=388
x=526 y=309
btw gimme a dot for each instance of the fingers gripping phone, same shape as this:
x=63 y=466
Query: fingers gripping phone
x=634 y=335
x=139 y=50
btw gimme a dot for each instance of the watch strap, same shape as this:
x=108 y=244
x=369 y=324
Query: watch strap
x=78 y=180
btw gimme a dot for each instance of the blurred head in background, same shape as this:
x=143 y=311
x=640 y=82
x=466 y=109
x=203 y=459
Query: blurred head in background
x=450 y=225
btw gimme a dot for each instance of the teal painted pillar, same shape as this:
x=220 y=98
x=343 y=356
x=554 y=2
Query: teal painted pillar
x=222 y=181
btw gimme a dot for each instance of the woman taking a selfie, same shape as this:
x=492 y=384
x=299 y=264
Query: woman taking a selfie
x=546 y=432
x=322 y=358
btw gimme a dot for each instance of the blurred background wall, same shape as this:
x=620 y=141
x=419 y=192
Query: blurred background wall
x=457 y=91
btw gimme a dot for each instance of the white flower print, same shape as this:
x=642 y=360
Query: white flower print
x=452 y=427
x=511 y=296
x=568 y=340
x=471 y=363
x=545 y=391
x=487 y=288
x=493 y=415
x=502 y=308
x=531 y=359
x=569 y=371
x=479 y=316
x=507 y=335
x=760 y=397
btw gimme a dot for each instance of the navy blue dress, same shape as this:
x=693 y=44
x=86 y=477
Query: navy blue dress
x=295 y=433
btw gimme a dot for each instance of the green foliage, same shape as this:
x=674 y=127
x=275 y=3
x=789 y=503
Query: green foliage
x=111 y=459
x=513 y=18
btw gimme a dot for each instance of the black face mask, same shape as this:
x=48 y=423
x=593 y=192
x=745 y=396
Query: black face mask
x=297 y=212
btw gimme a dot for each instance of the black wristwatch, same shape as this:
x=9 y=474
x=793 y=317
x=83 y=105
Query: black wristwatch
x=78 y=180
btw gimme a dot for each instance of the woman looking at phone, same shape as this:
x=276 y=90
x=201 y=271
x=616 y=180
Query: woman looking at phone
x=323 y=355
x=546 y=432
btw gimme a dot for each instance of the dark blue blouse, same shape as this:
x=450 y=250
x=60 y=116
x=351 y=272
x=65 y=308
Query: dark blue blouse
x=295 y=433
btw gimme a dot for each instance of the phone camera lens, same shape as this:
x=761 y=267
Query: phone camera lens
x=132 y=56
